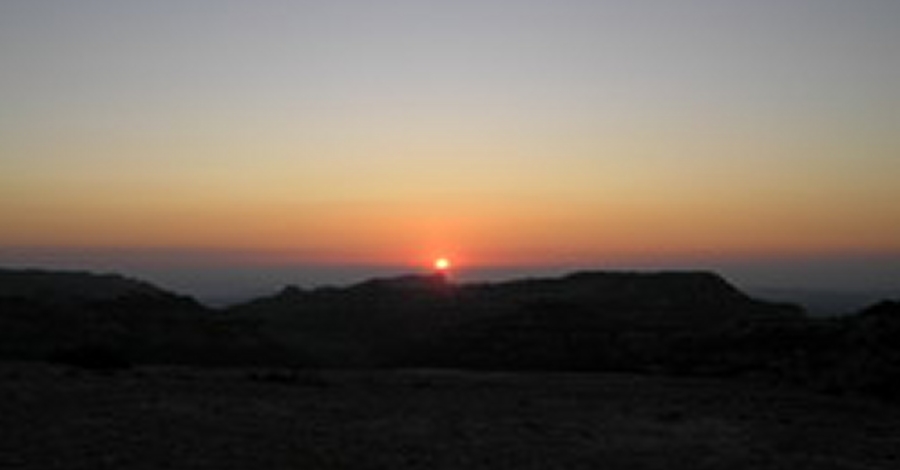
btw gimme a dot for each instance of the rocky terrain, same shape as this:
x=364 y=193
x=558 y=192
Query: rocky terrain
x=176 y=417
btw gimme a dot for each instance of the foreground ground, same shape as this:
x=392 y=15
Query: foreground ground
x=154 y=418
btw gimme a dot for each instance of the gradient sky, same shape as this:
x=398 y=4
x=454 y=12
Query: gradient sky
x=495 y=132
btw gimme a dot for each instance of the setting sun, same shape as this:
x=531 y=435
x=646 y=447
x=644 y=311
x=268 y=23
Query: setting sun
x=442 y=264
x=330 y=142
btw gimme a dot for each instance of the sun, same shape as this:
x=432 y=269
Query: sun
x=442 y=264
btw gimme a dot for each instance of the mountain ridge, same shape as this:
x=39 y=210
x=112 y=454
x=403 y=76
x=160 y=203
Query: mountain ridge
x=692 y=323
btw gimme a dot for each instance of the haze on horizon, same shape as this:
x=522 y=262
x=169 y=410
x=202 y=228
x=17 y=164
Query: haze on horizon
x=192 y=135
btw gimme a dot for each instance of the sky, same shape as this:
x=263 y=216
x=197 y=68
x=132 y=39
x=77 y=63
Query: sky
x=201 y=135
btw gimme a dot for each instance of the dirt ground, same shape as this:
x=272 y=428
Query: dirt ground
x=156 y=418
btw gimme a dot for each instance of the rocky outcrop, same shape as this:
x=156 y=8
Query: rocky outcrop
x=599 y=321
x=426 y=320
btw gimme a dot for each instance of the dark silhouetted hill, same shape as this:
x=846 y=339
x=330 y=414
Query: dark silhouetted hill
x=870 y=353
x=537 y=323
x=365 y=324
x=109 y=320
x=76 y=288
x=599 y=321
x=675 y=323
